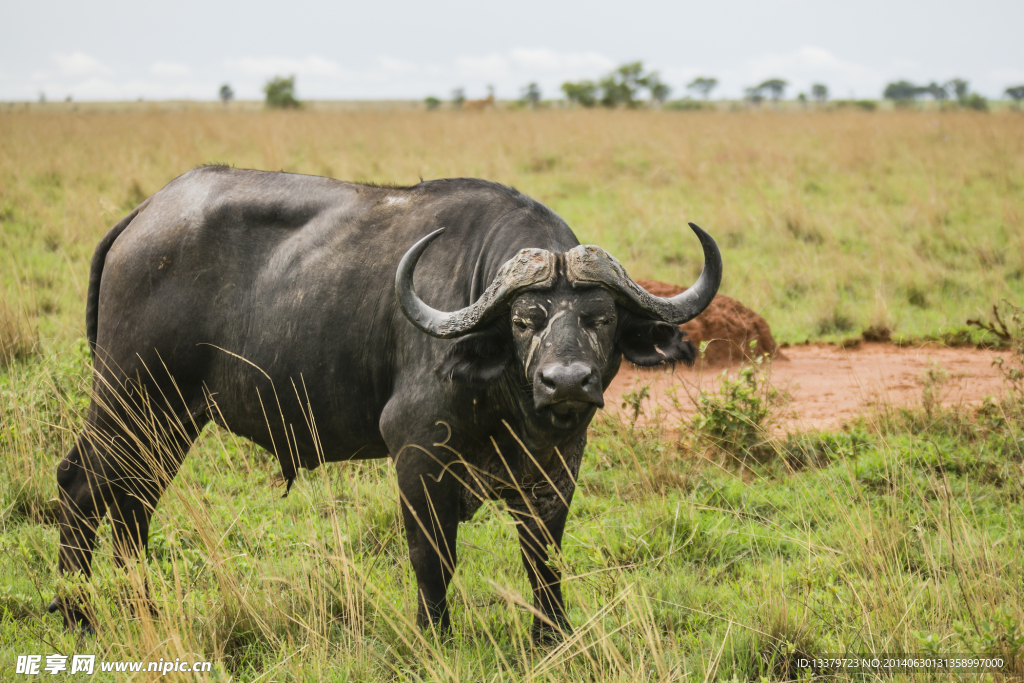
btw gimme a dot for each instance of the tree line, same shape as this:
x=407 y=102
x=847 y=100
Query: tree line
x=631 y=86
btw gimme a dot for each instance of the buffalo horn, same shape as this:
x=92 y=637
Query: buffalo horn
x=587 y=264
x=528 y=267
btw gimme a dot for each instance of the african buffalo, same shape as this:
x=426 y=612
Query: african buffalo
x=264 y=302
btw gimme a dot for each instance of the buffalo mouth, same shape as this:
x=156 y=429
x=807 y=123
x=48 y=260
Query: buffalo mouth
x=568 y=414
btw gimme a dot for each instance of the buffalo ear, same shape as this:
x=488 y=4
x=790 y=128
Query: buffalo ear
x=650 y=342
x=477 y=358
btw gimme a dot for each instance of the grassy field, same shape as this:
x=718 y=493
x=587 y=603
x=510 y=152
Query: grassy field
x=902 y=533
x=830 y=222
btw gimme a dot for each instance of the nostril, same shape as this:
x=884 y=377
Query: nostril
x=566 y=377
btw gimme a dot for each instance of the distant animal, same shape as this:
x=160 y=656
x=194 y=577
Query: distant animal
x=480 y=104
x=455 y=326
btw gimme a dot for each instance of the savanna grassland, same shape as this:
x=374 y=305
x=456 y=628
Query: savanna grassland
x=833 y=221
x=715 y=549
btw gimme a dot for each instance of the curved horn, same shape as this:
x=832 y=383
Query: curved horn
x=528 y=267
x=593 y=265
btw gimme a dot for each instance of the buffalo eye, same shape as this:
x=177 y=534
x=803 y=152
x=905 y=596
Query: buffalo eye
x=524 y=323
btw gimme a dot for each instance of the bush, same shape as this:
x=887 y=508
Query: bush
x=975 y=101
x=281 y=93
x=583 y=93
x=432 y=103
x=735 y=420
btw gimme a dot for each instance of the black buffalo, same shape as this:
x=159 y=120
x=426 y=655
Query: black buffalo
x=291 y=310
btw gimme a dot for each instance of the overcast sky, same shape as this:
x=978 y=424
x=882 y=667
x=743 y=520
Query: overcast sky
x=126 y=49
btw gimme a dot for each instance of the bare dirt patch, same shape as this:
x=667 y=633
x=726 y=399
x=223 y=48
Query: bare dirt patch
x=829 y=384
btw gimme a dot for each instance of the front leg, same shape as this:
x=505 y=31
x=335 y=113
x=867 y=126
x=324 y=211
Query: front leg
x=539 y=539
x=540 y=513
x=430 y=512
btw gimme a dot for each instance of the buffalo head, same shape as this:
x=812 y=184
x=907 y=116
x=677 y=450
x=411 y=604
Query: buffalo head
x=571 y=318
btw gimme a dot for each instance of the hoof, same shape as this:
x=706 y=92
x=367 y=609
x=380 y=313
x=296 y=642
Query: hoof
x=74 y=618
x=546 y=635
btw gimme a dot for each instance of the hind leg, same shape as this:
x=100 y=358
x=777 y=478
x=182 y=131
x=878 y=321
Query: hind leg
x=135 y=499
x=125 y=475
x=82 y=506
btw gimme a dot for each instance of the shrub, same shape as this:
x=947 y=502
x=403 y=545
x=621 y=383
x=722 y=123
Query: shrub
x=431 y=103
x=281 y=93
x=736 y=418
x=975 y=101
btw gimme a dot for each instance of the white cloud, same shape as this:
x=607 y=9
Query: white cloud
x=544 y=59
x=169 y=69
x=79 y=64
x=311 y=66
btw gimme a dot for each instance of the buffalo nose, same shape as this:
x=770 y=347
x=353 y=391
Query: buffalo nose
x=575 y=384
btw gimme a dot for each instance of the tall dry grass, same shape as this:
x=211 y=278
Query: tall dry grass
x=830 y=221
x=899 y=536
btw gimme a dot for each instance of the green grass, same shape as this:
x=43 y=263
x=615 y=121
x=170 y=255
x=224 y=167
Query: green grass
x=903 y=538
x=897 y=534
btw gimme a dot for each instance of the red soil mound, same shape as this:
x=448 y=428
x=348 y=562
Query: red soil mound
x=727 y=325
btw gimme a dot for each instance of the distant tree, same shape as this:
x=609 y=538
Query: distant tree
x=530 y=95
x=458 y=97
x=958 y=87
x=42 y=97
x=819 y=91
x=936 y=91
x=583 y=93
x=431 y=103
x=703 y=85
x=280 y=93
x=753 y=95
x=658 y=89
x=901 y=91
x=1015 y=93
x=613 y=92
x=775 y=87
x=225 y=93
x=621 y=86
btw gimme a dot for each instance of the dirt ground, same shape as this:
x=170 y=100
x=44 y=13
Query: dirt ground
x=829 y=384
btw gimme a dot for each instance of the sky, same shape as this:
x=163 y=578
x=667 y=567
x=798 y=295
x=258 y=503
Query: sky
x=410 y=49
